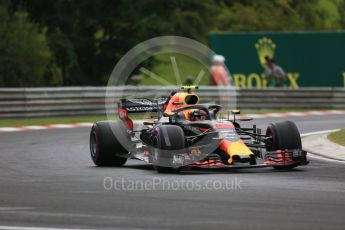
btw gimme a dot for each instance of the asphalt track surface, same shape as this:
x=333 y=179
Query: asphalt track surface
x=47 y=179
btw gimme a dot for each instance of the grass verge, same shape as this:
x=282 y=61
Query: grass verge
x=48 y=120
x=13 y=122
x=338 y=137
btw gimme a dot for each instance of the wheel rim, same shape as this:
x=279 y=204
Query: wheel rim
x=93 y=144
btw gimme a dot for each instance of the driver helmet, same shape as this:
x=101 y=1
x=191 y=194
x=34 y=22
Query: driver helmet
x=197 y=115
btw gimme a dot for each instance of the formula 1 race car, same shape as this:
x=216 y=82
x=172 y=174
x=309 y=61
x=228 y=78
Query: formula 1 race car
x=188 y=134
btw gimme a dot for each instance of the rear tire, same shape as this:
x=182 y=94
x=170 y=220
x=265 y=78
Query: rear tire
x=285 y=135
x=104 y=146
x=168 y=139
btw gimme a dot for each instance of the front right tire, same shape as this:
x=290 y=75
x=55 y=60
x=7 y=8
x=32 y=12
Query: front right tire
x=285 y=135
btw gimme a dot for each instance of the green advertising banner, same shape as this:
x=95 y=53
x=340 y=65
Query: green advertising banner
x=309 y=59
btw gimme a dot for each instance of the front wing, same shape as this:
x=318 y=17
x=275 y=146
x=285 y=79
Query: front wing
x=271 y=159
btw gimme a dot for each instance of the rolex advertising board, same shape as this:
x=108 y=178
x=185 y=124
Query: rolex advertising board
x=309 y=59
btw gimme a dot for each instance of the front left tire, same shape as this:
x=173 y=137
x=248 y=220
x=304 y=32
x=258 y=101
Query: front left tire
x=105 y=148
x=168 y=140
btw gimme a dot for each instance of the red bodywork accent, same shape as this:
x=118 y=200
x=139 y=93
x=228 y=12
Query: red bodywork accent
x=224 y=126
x=282 y=158
x=123 y=115
x=208 y=163
x=203 y=129
x=224 y=145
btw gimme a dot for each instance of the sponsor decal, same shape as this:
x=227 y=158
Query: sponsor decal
x=224 y=126
x=264 y=47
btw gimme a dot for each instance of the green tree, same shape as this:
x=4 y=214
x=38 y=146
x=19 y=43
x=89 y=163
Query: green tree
x=341 y=11
x=99 y=33
x=64 y=56
x=88 y=37
x=24 y=53
x=275 y=15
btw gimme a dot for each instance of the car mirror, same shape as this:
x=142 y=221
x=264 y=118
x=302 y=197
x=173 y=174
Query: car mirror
x=235 y=111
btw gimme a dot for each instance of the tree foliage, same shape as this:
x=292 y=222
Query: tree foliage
x=24 y=53
x=83 y=39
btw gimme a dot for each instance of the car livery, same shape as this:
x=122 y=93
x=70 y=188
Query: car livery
x=188 y=134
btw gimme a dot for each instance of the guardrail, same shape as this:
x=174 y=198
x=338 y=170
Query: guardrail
x=65 y=101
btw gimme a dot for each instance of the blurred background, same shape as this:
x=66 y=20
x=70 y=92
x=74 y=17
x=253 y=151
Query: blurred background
x=78 y=43
x=56 y=56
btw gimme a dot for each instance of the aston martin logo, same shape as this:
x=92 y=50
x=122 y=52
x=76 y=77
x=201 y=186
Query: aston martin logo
x=265 y=47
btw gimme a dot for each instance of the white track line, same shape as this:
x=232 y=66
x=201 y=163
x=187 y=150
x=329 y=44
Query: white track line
x=295 y=114
x=34 y=127
x=10 y=129
x=275 y=115
x=61 y=126
x=318 y=132
x=84 y=124
x=319 y=157
x=325 y=158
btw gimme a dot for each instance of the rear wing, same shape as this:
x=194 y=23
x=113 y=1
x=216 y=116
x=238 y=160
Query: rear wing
x=139 y=105
x=142 y=105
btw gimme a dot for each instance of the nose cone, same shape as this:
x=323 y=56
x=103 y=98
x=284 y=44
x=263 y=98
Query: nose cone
x=237 y=151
